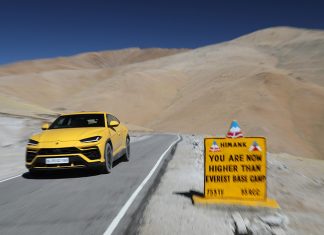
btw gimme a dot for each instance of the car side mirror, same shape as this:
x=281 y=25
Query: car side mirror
x=113 y=124
x=45 y=126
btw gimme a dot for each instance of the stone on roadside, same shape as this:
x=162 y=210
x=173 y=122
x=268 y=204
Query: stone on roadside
x=274 y=220
x=278 y=231
x=239 y=223
x=259 y=228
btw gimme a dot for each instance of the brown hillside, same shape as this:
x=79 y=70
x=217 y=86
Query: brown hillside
x=271 y=81
x=91 y=60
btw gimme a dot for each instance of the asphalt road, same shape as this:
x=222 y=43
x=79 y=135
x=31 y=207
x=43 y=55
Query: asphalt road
x=80 y=202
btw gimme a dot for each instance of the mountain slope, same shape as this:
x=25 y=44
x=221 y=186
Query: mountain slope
x=271 y=81
x=90 y=60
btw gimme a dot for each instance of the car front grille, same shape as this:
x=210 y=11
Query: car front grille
x=92 y=153
x=56 y=151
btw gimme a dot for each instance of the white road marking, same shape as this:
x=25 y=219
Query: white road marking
x=10 y=178
x=129 y=202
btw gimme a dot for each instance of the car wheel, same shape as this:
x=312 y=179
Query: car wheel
x=108 y=159
x=127 y=153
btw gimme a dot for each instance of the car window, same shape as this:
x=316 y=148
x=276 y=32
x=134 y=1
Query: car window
x=79 y=120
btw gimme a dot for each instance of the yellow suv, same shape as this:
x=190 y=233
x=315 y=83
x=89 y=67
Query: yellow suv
x=79 y=140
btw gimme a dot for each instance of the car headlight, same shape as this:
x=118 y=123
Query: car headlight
x=91 y=139
x=32 y=142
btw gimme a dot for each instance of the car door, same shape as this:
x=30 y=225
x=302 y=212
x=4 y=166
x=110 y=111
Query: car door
x=115 y=133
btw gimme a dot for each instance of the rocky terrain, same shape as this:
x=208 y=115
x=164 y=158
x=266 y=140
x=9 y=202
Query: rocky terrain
x=296 y=184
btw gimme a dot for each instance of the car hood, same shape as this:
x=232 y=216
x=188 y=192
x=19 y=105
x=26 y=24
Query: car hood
x=68 y=134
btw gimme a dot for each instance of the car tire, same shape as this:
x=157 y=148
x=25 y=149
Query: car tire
x=127 y=153
x=108 y=159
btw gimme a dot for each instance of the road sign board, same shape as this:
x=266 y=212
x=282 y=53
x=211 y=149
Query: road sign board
x=235 y=168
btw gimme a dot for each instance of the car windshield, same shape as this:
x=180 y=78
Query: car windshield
x=79 y=120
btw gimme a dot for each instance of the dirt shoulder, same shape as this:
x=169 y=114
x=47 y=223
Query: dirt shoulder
x=296 y=183
x=15 y=131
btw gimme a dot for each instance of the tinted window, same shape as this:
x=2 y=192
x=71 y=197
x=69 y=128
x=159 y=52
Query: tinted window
x=79 y=120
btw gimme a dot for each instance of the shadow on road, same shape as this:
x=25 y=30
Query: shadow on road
x=66 y=173
x=189 y=194
x=118 y=161
x=61 y=174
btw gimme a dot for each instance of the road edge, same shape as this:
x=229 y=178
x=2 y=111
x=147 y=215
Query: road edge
x=138 y=215
x=154 y=176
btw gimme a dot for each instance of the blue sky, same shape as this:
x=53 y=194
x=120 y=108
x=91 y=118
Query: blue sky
x=31 y=29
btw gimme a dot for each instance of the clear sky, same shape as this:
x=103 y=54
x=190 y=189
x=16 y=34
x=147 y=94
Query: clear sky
x=31 y=29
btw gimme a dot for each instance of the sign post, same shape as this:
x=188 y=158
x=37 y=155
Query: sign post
x=235 y=170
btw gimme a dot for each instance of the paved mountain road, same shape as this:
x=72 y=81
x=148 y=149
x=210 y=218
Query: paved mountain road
x=79 y=202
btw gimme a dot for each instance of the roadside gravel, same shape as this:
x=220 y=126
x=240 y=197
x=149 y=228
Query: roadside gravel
x=14 y=134
x=296 y=183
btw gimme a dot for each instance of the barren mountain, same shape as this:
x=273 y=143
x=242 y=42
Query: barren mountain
x=271 y=81
x=91 y=60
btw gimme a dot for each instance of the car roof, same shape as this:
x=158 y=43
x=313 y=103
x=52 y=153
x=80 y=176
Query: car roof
x=84 y=112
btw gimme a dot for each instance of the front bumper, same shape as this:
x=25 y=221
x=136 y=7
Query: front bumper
x=84 y=157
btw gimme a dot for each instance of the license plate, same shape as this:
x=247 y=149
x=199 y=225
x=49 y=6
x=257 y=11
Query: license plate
x=57 y=160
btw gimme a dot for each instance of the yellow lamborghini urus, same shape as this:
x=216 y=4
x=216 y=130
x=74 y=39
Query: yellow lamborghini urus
x=79 y=140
